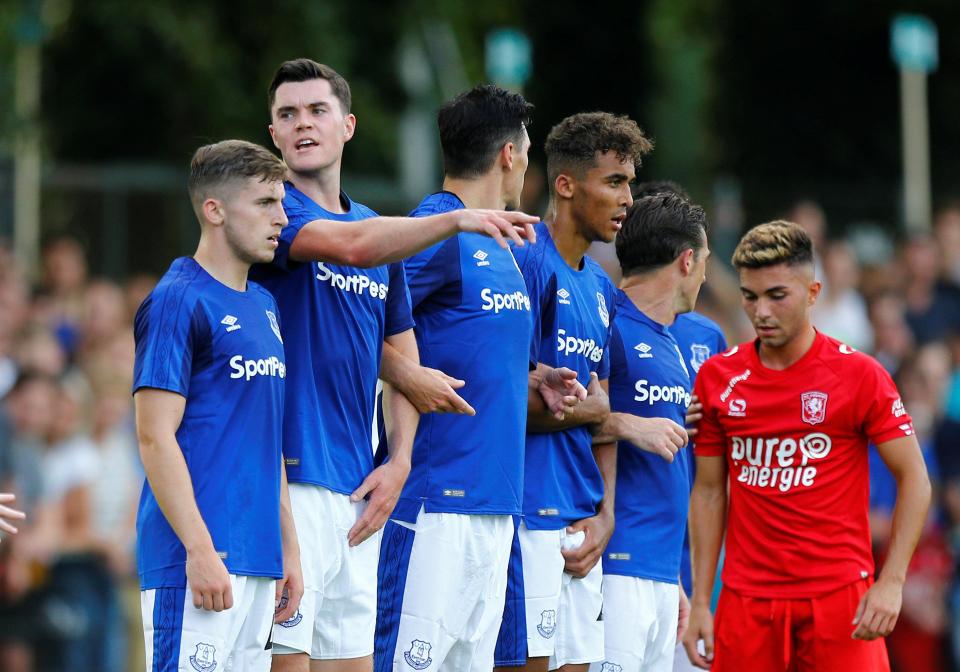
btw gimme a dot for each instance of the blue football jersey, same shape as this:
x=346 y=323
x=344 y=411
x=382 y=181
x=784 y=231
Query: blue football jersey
x=572 y=311
x=222 y=350
x=649 y=378
x=699 y=339
x=334 y=321
x=474 y=323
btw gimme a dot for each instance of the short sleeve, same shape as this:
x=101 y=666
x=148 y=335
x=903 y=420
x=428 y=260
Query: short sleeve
x=432 y=269
x=710 y=438
x=883 y=414
x=167 y=330
x=399 y=312
x=297 y=217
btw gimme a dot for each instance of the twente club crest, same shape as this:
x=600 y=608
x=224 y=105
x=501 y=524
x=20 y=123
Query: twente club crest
x=602 y=309
x=204 y=658
x=274 y=325
x=698 y=355
x=548 y=623
x=418 y=657
x=813 y=407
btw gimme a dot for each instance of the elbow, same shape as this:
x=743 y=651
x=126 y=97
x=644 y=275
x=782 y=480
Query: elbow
x=359 y=254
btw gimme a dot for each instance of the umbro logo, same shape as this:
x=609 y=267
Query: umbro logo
x=230 y=322
x=564 y=296
x=481 y=258
x=644 y=351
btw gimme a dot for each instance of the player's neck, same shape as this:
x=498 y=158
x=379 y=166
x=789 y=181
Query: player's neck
x=322 y=186
x=789 y=353
x=653 y=294
x=222 y=265
x=483 y=192
x=567 y=239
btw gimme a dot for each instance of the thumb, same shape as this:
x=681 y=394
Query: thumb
x=860 y=609
x=278 y=593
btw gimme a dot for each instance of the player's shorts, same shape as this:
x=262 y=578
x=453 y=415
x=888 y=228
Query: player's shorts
x=178 y=636
x=442 y=586
x=338 y=611
x=639 y=624
x=549 y=613
x=800 y=635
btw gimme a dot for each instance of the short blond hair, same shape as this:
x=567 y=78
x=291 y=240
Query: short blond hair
x=777 y=242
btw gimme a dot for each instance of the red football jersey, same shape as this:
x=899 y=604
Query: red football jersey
x=795 y=442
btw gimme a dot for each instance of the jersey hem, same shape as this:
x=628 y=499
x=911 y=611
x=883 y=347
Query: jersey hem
x=326 y=486
x=647 y=576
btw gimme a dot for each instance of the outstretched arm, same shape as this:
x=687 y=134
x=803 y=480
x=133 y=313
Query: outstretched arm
x=381 y=240
x=158 y=415
x=880 y=606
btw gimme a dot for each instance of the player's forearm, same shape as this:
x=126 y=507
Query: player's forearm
x=614 y=428
x=371 y=242
x=288 y=528
x=401 y=419
x=708 y=506
x=605 y=455
x=172 y=487
x=909 y=516
x=398 y=367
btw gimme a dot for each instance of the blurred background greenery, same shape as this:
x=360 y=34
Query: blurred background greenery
x=752 y=104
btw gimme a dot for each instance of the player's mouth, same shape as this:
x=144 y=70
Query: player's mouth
x=304 y=144
x=618 y=221
x=766 y=329
x=274 y=240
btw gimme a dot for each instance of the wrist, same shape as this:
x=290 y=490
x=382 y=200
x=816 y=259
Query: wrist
x=892 y=577
x=199 y=546
x=399 y=463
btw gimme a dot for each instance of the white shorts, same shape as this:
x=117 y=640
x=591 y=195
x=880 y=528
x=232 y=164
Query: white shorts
x=640 y=625
x=338 y=611
x=551 y=613
x=176 y=633
x=442 y=586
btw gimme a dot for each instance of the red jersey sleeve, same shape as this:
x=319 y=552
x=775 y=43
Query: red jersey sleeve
x=883 y=414
x=710 y=440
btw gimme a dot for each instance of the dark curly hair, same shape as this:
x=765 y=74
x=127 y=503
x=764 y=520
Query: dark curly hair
x=573 y=144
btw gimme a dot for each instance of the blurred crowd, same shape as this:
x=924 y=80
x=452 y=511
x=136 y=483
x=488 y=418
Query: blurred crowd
x=69 y=598
x=68 y=592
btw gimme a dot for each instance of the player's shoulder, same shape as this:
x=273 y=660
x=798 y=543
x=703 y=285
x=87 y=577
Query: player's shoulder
x=359 y=210
x=845 y=360
x=534 y=257
x=437 y=203
x=261 y=293
x=184 y=282
x=606 y=284
x=696 y=320
x=733 y=359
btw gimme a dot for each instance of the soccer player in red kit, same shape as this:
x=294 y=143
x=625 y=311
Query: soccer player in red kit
x=788 y=418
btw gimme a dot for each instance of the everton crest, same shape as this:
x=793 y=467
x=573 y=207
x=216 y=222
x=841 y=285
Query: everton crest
x=813 y=407
x=274 y=325
x=602 y=309
x=418 y=657
x=204 y=658
x=698 y=355
x=548 y=623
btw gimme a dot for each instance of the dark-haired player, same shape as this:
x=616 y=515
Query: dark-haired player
x=216 y=543
x=788 y=418
x=663 y=252
x=443 y=564
x=341 y=306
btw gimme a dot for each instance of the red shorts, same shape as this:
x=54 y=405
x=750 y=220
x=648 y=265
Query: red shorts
x=794 y=635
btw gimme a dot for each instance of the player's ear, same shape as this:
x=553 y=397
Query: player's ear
x=213 y=213
x=273 y=135
x=814 y=292
x=506 y=156
x=349 y=127
x=564 y=185
x=687 y=260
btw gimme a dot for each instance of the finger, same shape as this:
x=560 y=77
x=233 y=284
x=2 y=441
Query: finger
x=494 y=233
x=459 y=404
x=707 y=647
x=7 y=497
x=666 y=454
x=359 y=532
x=369 y=483
x=509 y=229
x=287 y=612
x=218 y=601
x=529 y=232
x=692 y=432
x=7 y=512
x=7 y=527
x=860 y=609
x=206 y=601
